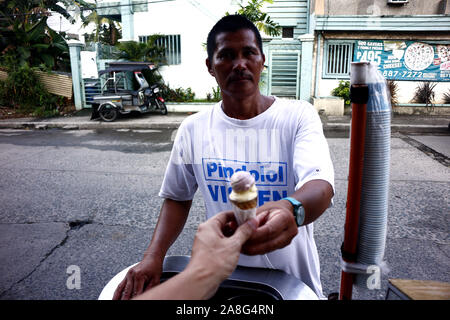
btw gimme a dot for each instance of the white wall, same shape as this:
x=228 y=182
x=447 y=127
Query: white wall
x=407 y=88
x=192 y=20
x=405 y=92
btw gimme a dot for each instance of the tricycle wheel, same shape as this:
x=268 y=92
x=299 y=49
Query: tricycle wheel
x=161 y=106
x=108 y=113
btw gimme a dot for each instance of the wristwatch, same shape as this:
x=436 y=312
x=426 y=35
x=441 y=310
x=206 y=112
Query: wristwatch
x=299 y=211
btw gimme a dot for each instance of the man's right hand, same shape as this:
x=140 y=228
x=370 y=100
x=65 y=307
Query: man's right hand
x=147 y=273
x=144 y=275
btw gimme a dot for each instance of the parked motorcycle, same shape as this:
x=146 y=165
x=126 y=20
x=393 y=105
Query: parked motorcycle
x=117 y=98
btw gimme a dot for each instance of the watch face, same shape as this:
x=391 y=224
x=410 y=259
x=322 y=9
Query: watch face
x=300 y=215
x=299 y=211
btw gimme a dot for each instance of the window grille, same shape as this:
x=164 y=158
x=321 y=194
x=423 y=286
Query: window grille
x=172 y=44
x=337 y=59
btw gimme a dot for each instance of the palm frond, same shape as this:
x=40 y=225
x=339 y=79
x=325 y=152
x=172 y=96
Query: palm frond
x=447 y=97
x=392 y=88
x=424 y=93
x=252 y=11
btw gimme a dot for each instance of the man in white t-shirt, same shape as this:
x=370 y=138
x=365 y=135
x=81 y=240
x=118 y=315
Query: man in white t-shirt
x=280 y=142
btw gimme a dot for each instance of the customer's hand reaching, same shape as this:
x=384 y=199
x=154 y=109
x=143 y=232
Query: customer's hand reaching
x=214 y=257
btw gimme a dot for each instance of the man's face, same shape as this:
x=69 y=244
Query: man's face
x=237 y=63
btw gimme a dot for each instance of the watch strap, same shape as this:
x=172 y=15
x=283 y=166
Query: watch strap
x=298 y=216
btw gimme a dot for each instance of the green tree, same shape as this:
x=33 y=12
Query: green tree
x=140 y=51
x=262 y=21
x=106 y=30
x=111 y=33
x=27 y=40
x=26 y=44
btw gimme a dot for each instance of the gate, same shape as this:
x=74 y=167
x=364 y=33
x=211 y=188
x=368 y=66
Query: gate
x=94 y=57
x=91 y=88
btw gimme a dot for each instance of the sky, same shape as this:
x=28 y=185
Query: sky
x=59 y=23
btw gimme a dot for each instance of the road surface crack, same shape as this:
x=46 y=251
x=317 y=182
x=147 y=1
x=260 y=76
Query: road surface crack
x=439 y=157
x=77 y=224
x=74 y=225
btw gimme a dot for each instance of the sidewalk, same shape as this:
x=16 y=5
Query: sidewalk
x=81 y=120
x=403 y=123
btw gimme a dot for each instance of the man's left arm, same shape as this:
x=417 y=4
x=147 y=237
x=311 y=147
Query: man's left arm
x=279 y=227
x=315 y=196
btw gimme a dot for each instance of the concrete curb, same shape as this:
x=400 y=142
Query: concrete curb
x=96 y=125
x=427 y=128
x=88 y=125
x=395 y=127
x=179 y=111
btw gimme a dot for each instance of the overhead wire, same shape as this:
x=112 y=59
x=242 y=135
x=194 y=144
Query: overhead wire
x=86 y=9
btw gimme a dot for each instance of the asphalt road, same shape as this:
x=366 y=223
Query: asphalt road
x=88 y=199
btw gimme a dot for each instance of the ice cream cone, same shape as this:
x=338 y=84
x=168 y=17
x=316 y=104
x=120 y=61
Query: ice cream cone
x=244 y=211
x=244 y=196
x=246 y=205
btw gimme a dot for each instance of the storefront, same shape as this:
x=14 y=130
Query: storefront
x=409 y=50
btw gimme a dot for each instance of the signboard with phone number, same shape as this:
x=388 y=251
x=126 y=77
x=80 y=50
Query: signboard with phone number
x=406 y=60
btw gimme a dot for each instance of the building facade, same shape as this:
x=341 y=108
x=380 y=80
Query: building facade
x=320 y=38
x=410 y=40
x=184 y=25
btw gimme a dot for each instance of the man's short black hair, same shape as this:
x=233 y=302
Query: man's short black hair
x=231 y=23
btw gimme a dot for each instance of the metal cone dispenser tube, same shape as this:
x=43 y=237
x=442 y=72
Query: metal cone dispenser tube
x=359 y=96
x=367 y=197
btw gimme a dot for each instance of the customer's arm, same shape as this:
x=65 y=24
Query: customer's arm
x=147 y=273
x=214 y=257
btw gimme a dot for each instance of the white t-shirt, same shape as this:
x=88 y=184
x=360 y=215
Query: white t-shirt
x=283 y=148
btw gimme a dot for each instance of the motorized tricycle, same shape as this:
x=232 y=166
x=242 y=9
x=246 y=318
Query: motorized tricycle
x=117 y=94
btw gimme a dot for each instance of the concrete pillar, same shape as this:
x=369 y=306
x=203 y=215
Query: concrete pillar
x=127 y=16
x=307 y=41
x=264 y=80
x=126 y=11
x=77 y=80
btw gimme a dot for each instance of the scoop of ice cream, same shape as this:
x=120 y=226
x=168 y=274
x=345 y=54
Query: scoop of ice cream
x=241 y=181
x=243 y=185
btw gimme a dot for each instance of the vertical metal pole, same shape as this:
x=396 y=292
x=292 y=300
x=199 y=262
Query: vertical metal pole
x=339 y=70
x=334 y=57
x=170 y=49
x=353 y=194
x=359 y=97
